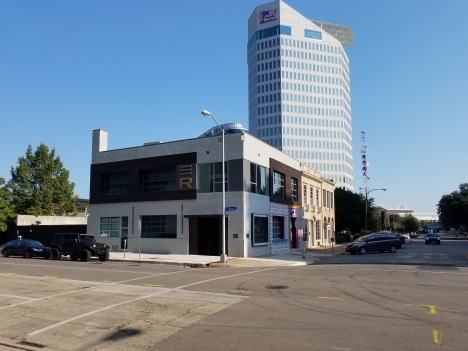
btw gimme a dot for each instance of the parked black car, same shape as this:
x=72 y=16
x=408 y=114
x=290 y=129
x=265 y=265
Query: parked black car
x=26 y=248
x=374 y=242
x=80 y=246
x=432 y=238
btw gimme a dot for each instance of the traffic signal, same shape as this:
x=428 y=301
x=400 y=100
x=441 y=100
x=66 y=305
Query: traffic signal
x=390 y=219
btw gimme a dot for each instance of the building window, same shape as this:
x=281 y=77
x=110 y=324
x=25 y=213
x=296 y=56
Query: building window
x=110 y=227
x=324 y=198
x=259 y=230
x=258 y=179
x=211 y=178
x=159 y=179
x=305 y=232
x=331 y=200
x=278 y=184
x=317 y=195
x=311 y=193
x=304 y=193
x=317 y=230
x=278 y=227
x=294 y=189
x=115 y=183
x=162 y=227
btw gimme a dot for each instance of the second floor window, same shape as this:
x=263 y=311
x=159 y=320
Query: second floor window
x=294 y=189
x=210 y=177
x=278 y=184
x=115 y=183
x=258 y=179
x=304 y=193
x=159 y=179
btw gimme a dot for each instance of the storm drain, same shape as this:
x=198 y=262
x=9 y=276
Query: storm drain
x=277 y=287
x=32 y=344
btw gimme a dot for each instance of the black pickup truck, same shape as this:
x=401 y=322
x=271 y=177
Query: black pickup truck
x=80 y=246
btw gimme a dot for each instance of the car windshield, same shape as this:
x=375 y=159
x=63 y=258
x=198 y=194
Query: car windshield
x=361 y=238
x=88 y=238
x=432 y=235
x=33 y=243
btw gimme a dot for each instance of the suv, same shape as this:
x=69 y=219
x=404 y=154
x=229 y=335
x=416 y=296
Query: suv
x=374 y=242
x=78 y=246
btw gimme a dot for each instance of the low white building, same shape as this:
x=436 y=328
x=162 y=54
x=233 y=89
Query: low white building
x=166 y=197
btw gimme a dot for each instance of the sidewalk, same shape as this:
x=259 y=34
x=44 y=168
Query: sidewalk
x=289 y=258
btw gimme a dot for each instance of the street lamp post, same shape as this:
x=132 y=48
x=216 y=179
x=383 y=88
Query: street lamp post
x=367 y=199
x=223 y=257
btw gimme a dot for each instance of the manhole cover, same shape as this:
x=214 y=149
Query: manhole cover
x=277 y=287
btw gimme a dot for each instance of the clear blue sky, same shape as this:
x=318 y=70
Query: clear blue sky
x=143 y=71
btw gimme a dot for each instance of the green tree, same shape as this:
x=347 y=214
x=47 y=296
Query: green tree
x=39 y=185
x=409 y=223
x=349 y=211
x=7 y=212
x=453 y=208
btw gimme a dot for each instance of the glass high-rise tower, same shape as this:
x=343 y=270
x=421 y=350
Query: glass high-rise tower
x=299 y=89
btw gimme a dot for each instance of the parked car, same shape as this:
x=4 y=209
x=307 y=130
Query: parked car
x=26 y=248
x=406 y=235
x=374 y=242
x=432 y=238
x=80 y=246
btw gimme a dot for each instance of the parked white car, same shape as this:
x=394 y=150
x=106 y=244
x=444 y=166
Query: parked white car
x=406 y=235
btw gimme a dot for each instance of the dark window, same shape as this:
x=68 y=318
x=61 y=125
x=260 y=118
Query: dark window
x=278 y=185
x=259 y=230
x=164 y=226
x=371 y=238
x=210 y=177
x=294 y=189
x=258 y=179
x=159 y=179
x=58 y=237
x=278 y=227
x=381 y=237
x=115 y=183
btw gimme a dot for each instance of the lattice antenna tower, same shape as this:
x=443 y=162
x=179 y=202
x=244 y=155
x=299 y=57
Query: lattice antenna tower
x=364 y=164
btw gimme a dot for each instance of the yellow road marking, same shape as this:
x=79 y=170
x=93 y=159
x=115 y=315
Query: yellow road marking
x=330 y=298
x=240 y=291
x=432 y=309
x=152 y=284
x=50 y=276
x=109 y=281
x=461 y=252
x=435 y=335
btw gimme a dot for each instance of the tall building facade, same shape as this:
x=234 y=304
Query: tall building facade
x=299 y=89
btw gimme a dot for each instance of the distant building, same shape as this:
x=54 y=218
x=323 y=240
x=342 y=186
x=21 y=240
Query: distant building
x=431 y=219
x=299 y=89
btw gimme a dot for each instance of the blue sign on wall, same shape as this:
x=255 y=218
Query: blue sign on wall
x=230 y=209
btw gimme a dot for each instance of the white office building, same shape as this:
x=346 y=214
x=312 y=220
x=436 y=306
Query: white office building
x=299 y=89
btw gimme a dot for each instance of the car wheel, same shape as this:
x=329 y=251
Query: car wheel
x=85 y=255
x=105 y=257
x=5 y=253
x=362 y=250
x=27 y=254
x=56 y=254
x=392 y=249
x=73 y=257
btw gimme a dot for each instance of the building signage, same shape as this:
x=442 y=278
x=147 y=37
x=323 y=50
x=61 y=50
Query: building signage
x=230 y=209
x=267 y=16
x=186 y=176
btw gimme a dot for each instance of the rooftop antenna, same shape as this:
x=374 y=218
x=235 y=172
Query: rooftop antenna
x=364 y=164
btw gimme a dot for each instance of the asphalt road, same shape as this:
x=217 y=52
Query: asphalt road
x=414 y=299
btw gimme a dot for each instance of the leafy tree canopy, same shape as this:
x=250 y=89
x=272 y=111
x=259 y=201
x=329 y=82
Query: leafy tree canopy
x=7 y=212
x=349 y=211
x=453 y=208
x=40 y=184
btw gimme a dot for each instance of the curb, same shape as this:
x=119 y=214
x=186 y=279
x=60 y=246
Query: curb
x=24 y=345
x=180 y=264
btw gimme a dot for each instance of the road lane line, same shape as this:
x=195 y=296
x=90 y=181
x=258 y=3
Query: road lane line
x=317 y=267
x=330 y=298
x=435 y=336
x=432 y=308
x=140 y=298
x=154 y=285
x=84 y=289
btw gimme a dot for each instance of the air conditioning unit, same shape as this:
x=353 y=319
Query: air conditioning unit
x=312 y=208
x=306 y=207
x=319 y=209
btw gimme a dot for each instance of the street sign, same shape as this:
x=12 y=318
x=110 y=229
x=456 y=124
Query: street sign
x=301 y=223
x=230 y=209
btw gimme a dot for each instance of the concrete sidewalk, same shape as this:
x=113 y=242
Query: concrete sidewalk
x=289 y=258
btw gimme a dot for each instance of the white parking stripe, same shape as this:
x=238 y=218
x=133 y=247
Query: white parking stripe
x=18 y=297
x=81 y=268
x=84 y=289
x=140 y=298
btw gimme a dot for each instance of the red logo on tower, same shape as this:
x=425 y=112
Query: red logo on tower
x=267 y=16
